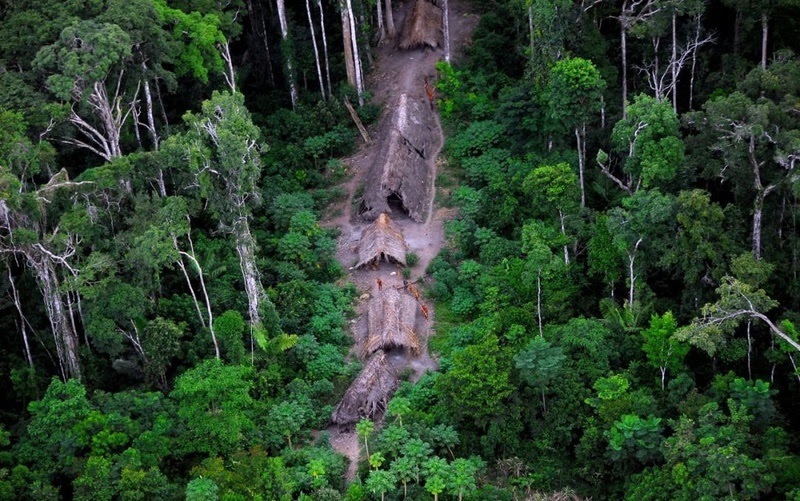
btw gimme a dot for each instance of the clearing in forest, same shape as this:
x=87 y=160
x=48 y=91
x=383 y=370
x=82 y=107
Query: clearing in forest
x=395 y=174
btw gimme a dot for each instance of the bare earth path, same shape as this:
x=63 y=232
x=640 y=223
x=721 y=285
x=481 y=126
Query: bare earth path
x=396 y=72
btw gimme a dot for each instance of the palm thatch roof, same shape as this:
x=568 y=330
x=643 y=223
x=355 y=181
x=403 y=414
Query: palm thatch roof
x=401 y=165
x=390 y=323
x=423 y=27
x=381 y=240
x=368 y=395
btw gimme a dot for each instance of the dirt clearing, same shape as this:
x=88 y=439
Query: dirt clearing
x=401 y=186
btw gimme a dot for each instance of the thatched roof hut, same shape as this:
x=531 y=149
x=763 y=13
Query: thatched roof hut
x=381 y=240
x=390 y=323
x=401 y=169
x=369 y=393
x=423 y=27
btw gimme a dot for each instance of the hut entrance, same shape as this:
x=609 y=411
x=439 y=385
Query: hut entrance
x=397 y=207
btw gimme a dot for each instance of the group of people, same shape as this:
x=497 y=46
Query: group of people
x=408 y=287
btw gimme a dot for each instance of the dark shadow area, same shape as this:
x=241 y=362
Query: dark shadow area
x=397 y=207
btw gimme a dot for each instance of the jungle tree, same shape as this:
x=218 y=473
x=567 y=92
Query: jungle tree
x=575 y=91
x=222 y=147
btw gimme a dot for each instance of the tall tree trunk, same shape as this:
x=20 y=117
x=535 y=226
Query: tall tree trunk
x=674 y=62
x=564 y=233
x=259 y=29
x=624 y=48
x=161 y=106
x=325 y=47
x=246 y=249
x=694 y=63
x=151 y=127
x=381 y=27
x=539 y=301
x=544 y=411
x=349 y=63
x=794 y=366
x=209 y=324
x=229 y=74
x=632 y=12
x=391 y=31
x=764 y=36
x=316 y=51
x=579 y=137
x=66 y=340
x=356 y=57
x=749 y=350
x=285 y=52
x=531 y=39
x=602 y=112
x=631 y=274
x=758 y=209
x=446 y=29
x=151 y=123
x=758 y=204
x=365 y=43
x=23 y=322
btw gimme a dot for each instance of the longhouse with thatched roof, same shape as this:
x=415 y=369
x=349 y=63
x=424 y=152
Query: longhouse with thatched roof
x=400 y=172
x=391 y=319
x=369 y=393
x=423 y=28
x=381 y=240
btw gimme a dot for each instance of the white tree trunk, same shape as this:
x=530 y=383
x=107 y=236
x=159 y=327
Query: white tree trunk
x=349 y=63
x=673 y=63
x=794 y=366
x=539 y=302
x=749 y=350
x=66 y=340
x=758 y=210
x=151 y=127
x=209 y=322
x=23 y=322
x=694 y=64
x=325 y=47
x=631 y=274
x=446 y=29
x=288 y=61
x=246 y=249
x=531 y=38
x=624 y=49
x=151 y=122
x=229 y=74
x=356 y=58
x=564 y=233
x=579 y=137
x=764 y=36
x=316 y=51
x=632 y=13
x=761 y=194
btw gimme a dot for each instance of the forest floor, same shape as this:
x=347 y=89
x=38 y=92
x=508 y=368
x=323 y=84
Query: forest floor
x=395 y=72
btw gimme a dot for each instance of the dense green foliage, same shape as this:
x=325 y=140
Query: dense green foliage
x=616 y=306
x=620 y=280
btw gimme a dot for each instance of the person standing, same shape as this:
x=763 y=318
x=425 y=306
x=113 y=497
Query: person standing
x=429 y=92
